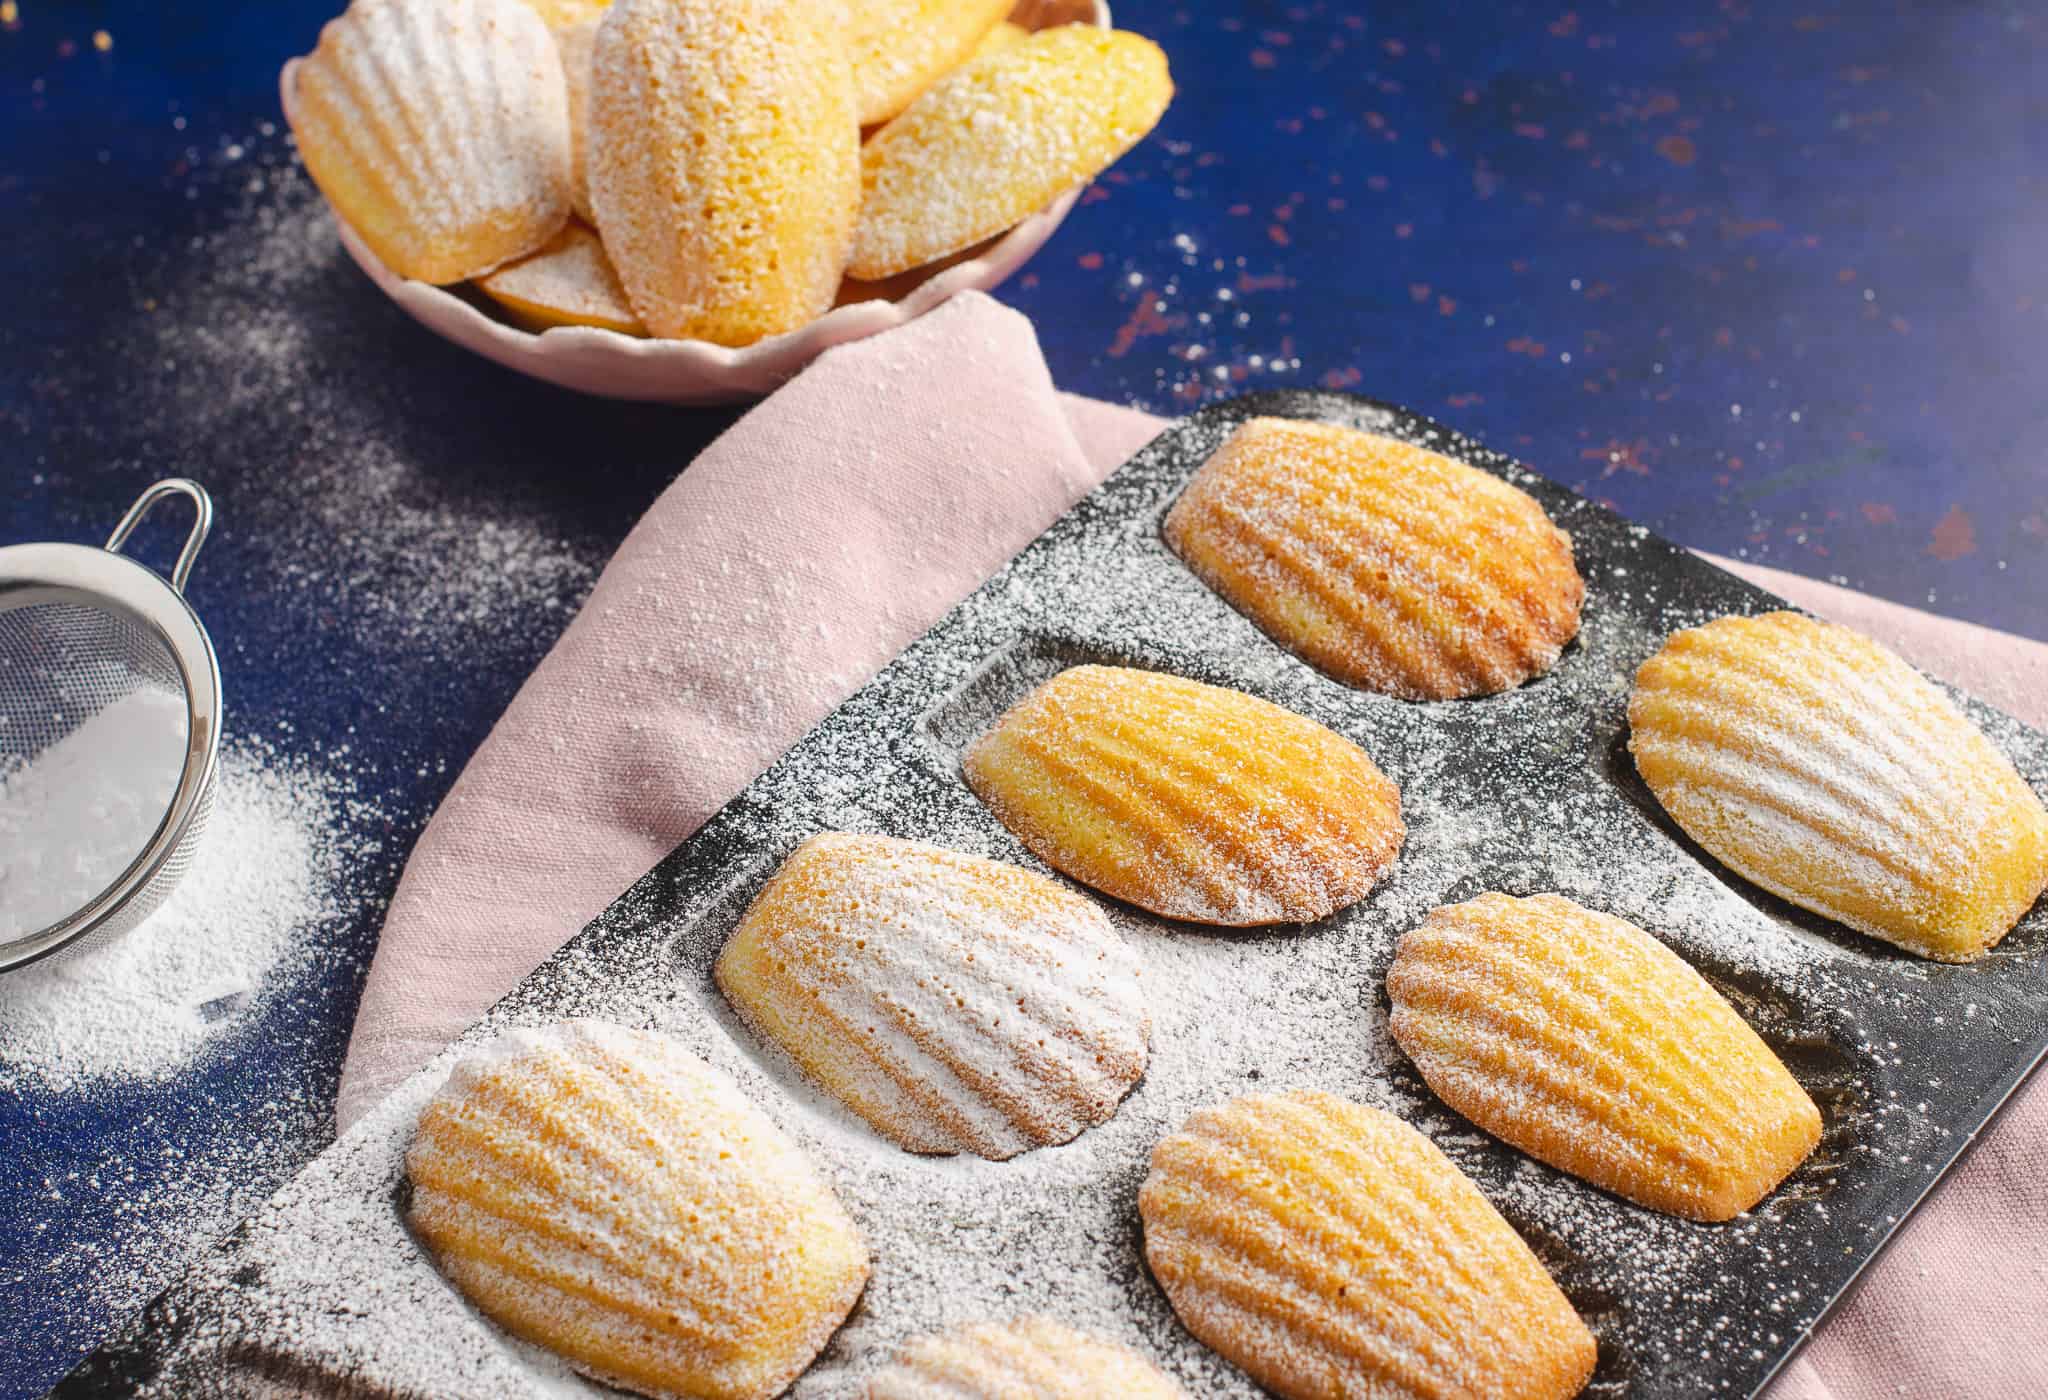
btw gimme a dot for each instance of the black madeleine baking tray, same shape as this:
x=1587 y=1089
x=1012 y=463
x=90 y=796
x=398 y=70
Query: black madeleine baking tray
x=325 y=1291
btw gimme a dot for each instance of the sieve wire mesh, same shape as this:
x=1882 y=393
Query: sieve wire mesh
x=61 y=663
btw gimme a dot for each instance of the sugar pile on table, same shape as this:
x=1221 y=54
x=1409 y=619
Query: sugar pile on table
x=266 y=871
x=74 y=816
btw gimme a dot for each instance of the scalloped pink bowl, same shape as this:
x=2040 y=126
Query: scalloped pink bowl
x=615 y=366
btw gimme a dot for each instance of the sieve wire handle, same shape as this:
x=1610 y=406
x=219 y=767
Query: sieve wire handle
x=202 y=521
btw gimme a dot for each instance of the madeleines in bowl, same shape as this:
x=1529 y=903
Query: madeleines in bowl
x=1585 y=1042
x=605 y=1194
x=1189 y=800
x=713 y=147
x=1816 y=763
x=1386 y=565
x=955 y=1003
x=1033 y=1358
x=1329 y=1249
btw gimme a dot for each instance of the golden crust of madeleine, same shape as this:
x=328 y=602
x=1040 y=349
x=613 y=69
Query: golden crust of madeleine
x=1814 y=762
x=901 y=47
x=724 y=162
x=607 y=1195
x=568 y=283
x=956 y=1003
x=1033 y=1358
x=1386 y=565
x=575 y=43
x=1001 y=138
x=1330 y=1249
x=1000 y=37
x=558 y=14
x=438 y=130
x=1585 y=1042
x=1189 y=800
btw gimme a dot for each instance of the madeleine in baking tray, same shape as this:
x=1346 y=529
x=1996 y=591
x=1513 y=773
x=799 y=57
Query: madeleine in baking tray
x=605 y=1194
x=1816 y=763
x=1033 y=1358
x=1189 y=800
x=1386 y=565
x=439 y=130
x=955 y=1003
x=1585 y=1042
x=1329 y=1249
x=724 y=162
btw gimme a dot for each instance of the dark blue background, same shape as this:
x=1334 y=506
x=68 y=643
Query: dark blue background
x=1767 y=278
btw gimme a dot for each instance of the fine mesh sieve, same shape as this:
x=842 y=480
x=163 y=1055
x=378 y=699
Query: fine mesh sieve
x=81 y=629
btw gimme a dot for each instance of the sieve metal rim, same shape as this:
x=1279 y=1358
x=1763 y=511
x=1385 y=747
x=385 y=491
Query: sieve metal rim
x=103 y=577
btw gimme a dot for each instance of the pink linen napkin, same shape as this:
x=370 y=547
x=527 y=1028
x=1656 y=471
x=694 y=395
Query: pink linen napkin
x=810 y=544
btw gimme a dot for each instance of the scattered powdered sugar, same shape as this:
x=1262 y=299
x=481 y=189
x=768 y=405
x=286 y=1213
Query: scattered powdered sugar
x=145 y=1006
x=246 y=323
x=74 y=815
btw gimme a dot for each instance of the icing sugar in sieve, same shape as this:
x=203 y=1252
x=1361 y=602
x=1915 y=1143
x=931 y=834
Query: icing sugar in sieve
x=110 y=716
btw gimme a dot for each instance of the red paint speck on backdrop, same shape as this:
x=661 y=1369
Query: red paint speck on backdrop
x=1955 y=535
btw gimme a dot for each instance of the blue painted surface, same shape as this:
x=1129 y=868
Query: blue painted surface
x=1791 y=254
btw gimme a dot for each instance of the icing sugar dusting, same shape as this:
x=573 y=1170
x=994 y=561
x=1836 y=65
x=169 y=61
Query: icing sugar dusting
x=956 y=1004
x=75 y=815
x=446 y=567
x=144 y=1006
x=1525 y=792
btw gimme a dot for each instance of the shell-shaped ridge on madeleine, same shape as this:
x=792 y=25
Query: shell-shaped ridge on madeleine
x=956 y=1004
x=1329 y=1249
x=1386 y=565
x=723 y=161
x=1190 y=800
x=1000 y=138
x=1817 y=764
x=1584 y=1041
x=439 y=131
x=603 y=1193
x=1032 y=1358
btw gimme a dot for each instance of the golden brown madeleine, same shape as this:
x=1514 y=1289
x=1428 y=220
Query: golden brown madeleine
x=1189 y=800
x=1391 y=567
x=568 y=283
x=1813 y=761
x=609 y=1196
x=1033 y=1358
x=439 y=131
x=1329 y=1249
x=999 y=139
x=1585 y=1042
x=558 y=14
x=901 y=47
x=1000 y=37
x=724 y=162
x=955 y=1003
x=576 y=42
